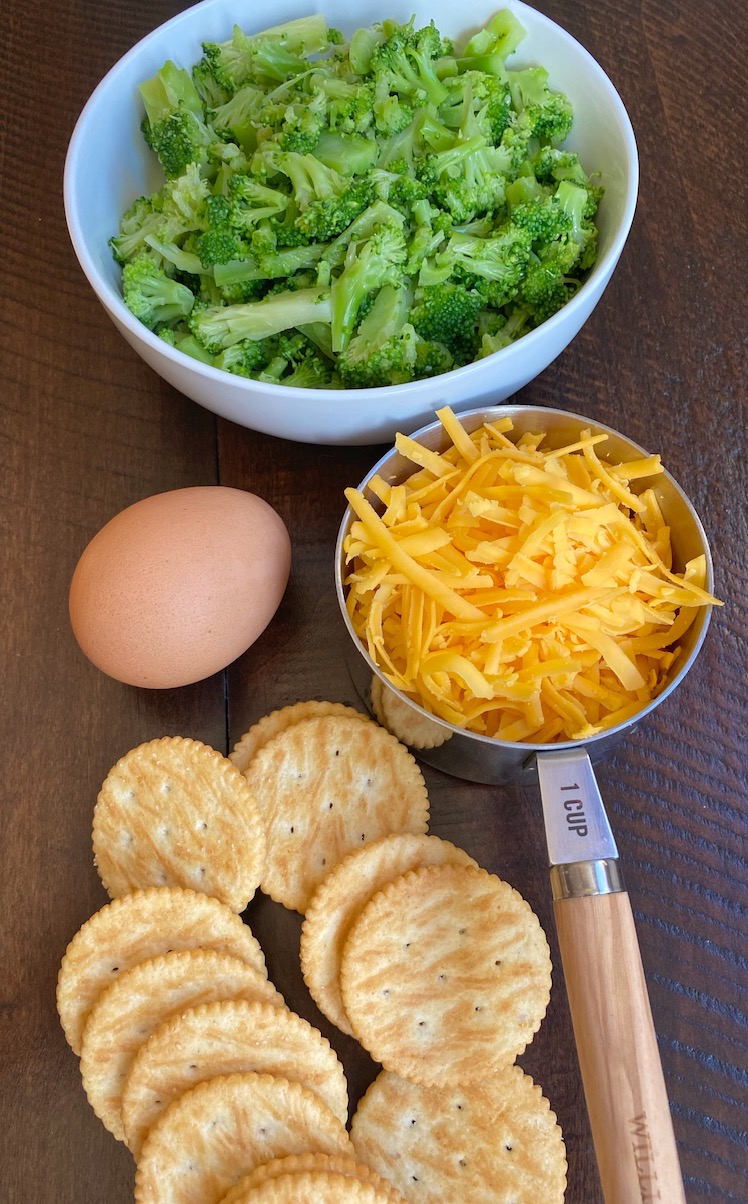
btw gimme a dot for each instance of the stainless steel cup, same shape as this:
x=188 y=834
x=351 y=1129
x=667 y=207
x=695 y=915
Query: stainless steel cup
x=479 y=758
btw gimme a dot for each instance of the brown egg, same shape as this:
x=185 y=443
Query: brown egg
x=177 y=586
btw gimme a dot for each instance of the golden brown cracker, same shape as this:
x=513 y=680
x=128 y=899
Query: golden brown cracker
x=313 y=1187
x=496 y=1140
x=139 y=1001
x=174 y=812
x=224 y=1038
x=297 y=1164
x=225 y=1127
x=277 y=721
x=343 y=893
x=325 y=786
x=445 y=975
x=412 y=727
x=138 y=926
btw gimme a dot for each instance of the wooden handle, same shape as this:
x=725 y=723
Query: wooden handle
x=620 y=1062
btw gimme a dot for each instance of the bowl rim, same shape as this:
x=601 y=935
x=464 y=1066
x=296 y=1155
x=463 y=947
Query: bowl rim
x=115 y=306
x=589 y=743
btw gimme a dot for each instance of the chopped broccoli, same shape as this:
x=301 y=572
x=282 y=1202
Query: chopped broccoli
x=218 y=326
x=368 y=265
x=496 y=41
x=406 y=62
x=174 y=125
x=153 y=296
x=383 y=350
x=447 y=313
x=547 y=115
x=501 y=330
x=145 y=217
x=500 y=261
x=356 y=213
x=326 y=219
x=274 y=55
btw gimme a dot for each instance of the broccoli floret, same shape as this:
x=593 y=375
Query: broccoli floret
x=392 y=114
x=145 y=217
x=368 y=265
x=546 y=288
x=573 y=200
x=324 y=220
x=361 y=47
x=248 y=357
x=237 y=118
x=219 y=326
x=348 y=154
x=432 y=359
x=487 y=97
x=505 y=330
x=548 y=114
x=525 y=190
x=488 y=48
x=425 y=242
x=545 y=219
x=305 y=367
x=250 y=203
x=211 y=93
x=448 y=314
x=277 y=54
x=310 y=179
x=406 y=62
x=551 y=165
x=376 y=217
x=267 y=265
x=383 y=349
x=174 y=125
x=187 y=263
x=349 y=103
x=500 y=261
x=186 y=343
x=466 y=179
x=294 y=117
x=151 y=295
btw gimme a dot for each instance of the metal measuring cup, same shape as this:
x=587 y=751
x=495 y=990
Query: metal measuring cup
x=614 y=1032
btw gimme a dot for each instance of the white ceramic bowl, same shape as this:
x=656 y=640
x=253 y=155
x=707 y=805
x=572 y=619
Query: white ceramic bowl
x=108 y=165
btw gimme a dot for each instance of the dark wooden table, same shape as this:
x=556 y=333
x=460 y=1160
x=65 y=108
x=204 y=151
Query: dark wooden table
x=87 y=429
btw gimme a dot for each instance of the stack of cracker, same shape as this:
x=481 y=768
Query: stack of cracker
x=189 y=1054
x=442 y=971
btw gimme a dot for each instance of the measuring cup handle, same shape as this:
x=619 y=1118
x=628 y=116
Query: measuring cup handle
x=619 y=1059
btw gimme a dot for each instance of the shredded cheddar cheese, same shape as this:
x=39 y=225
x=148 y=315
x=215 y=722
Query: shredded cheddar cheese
x=523 y=593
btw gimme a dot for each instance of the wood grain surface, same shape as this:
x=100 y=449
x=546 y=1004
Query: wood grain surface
x=87 y=428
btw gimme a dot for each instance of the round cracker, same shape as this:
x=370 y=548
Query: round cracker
x=342 y=895
x=225 y=1127
x=314 y=1187
x=277 y=721
x=325 y=786
x=496 y=1140
x=413 y=728
x=445 y=975
x=174 y=812
x=296 y=1164
x=224 y=1038
x=139 y=1001
x=135 y=927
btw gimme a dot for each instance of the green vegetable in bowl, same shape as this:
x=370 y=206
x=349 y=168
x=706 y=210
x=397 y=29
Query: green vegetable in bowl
x=354 y=214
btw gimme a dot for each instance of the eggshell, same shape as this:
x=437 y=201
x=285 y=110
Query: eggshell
x=178 y=585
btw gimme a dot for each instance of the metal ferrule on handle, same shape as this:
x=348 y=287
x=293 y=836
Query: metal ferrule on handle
x=579 y=879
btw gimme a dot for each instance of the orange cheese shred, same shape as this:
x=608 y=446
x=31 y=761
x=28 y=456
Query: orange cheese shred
x=520 y=591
